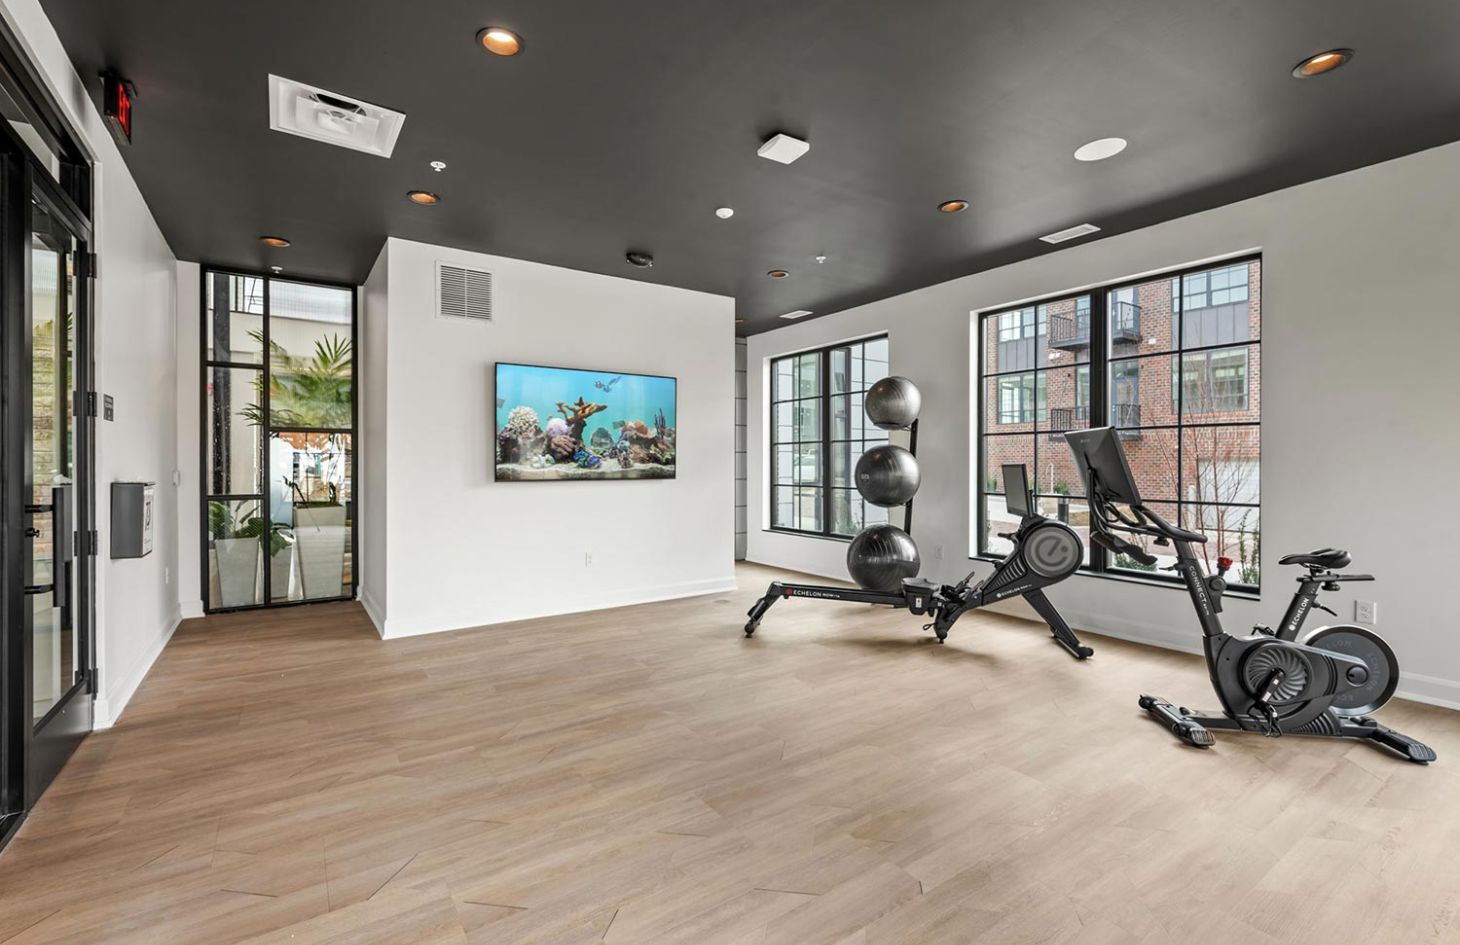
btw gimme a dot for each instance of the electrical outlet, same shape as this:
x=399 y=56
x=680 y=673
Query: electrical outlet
x=167 y=575
x=938 y=552
x=1366 y=611
x=587 y=559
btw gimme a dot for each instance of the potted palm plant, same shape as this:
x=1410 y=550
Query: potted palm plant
x=313 y=393
x=321 y=534
x=237 y=557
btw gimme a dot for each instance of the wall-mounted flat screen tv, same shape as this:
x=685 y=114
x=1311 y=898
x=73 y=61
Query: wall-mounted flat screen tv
x=565 y=424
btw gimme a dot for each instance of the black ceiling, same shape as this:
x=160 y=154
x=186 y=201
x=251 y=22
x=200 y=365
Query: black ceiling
x=623 y=126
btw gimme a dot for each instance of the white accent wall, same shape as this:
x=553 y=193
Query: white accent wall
x=137 y=599
x=1360 y=386
x=464 y=550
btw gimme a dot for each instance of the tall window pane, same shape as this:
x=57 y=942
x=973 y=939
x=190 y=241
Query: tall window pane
x=1179 y=363
x=279 y=418
x=818 y=430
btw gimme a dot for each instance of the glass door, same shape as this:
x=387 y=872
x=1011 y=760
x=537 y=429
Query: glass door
x=56 y=608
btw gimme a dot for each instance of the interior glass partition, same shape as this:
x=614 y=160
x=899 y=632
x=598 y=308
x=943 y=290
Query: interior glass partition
x=278 y=440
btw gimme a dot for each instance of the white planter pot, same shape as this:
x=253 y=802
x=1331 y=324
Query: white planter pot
x=281 y=574
x=238 y=570
x=320 y=536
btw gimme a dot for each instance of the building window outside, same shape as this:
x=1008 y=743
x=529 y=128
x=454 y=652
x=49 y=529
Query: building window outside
x=1173 y=363
x=818 y=430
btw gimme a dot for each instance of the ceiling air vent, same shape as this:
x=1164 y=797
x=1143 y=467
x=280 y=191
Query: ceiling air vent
x=463 y=293
x=1084 y=229
x=299 y=109
x=799 y=313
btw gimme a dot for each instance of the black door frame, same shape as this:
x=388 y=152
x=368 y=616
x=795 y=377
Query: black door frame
x=27 y=763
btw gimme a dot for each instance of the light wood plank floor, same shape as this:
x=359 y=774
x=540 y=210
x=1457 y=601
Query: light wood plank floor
x=646 y=775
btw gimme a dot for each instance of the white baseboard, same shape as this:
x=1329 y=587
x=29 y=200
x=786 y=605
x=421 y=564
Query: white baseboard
x=191 y=609
x=1431 y=690
x=397 y=628
x=1417 y=687
x=113 y=701
x=374 y=611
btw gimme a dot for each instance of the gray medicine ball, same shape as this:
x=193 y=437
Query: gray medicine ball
x=887 y=475
x=893 y=403
x=881 y=556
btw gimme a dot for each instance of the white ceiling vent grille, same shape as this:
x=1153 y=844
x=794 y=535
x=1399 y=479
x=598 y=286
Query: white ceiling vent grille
x=299 y=109
x=463 y=293
x=1084 y=229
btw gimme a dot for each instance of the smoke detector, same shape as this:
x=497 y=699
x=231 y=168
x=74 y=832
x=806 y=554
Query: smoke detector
x=310 y=112
x=783 y=148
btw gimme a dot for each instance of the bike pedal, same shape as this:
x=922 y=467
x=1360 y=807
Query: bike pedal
x=1198 y=736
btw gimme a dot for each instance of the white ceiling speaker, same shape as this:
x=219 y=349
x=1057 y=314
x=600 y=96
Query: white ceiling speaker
x=783 y=148
x=321 y=115
x=1100 y=150
x=1074 y=232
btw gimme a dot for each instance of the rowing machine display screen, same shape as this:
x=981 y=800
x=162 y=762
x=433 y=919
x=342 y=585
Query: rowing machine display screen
x=1016 y=490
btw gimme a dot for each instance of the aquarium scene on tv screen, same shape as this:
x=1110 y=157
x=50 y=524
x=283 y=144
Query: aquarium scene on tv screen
x=564 y=423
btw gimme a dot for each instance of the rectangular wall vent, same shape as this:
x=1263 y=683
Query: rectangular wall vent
x=463 y=293
x=799 y=313
x=299 y=109
x=1084 y=229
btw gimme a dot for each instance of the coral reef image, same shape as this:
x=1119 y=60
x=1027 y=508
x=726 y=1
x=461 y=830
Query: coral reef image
x=561 y=423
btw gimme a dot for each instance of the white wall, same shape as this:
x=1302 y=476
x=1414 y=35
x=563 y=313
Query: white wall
x=1359 y=437
x=374 y=445
x=466 y=551
x=136 y=362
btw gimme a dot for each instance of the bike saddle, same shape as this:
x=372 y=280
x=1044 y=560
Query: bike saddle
x=1329 y=558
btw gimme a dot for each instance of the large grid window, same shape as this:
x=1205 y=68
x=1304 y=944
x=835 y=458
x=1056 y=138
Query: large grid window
x=278 y=441
x=1173 y=363
x=818 y=430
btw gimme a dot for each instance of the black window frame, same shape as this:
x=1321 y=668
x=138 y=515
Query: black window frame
x=1099 y=364
x=826 y=442
x=208 y=363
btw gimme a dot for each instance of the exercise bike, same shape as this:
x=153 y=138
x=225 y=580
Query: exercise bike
x=1269 y=682
x=1045 y=552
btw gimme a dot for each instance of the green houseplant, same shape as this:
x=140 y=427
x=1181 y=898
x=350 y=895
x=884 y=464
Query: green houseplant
x=237 y=546
x=313 y=392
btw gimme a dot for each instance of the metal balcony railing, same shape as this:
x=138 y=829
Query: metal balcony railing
x=1071 y=332
x=1126 y=418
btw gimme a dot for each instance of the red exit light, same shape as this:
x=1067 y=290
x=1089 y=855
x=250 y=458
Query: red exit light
x=117 y=102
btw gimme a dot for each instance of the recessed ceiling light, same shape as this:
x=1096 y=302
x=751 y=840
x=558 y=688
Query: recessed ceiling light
x=778 y=273
x=423 y=197
x=278 y=242
x=499 y=41
x=438 y=166
x=641 y=260
x=1320 y=63
x=1100 y=149
x=725 y=213
x=799 y=313
x=953 y=206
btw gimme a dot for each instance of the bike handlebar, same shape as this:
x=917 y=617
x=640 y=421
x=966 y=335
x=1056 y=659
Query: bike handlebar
x=1121 y=546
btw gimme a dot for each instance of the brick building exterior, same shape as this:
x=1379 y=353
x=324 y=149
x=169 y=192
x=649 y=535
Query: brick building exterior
x=1183 y=380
